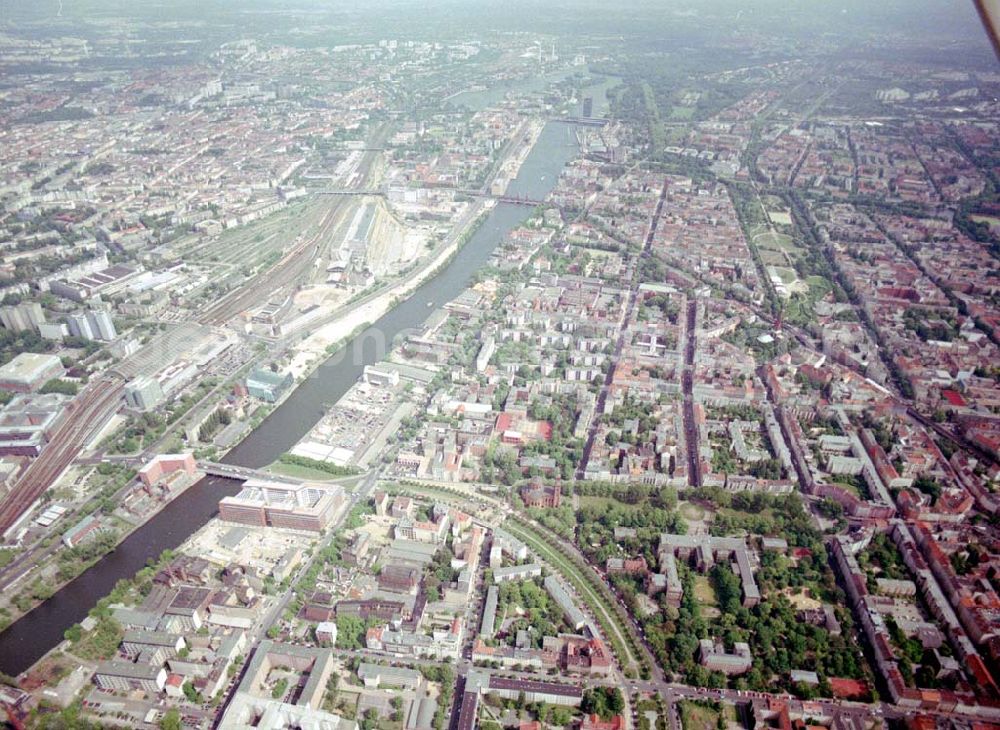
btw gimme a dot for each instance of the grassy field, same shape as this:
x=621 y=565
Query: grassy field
x=704 y=593
x=775 y=241
x=818 y=286
x=599 y=502
x=735 y=515
x=606 y=502
x=691 y=511
x=297 y=471
x=848 y=486
x=779 y=217
x=786 y=275
x=770 y=257
x=992 y=221
x=429 y=491
x=697 y=717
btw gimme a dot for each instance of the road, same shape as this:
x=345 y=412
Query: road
x=687 y=385
x=632 y=285
x=671 y=692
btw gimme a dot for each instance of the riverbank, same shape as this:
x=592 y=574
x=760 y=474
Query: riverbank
x=30 y=638
x=311 y=351
x=42 y=565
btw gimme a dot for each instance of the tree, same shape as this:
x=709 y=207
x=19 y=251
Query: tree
x=603 y=701
x=370 y=721
x=279 y=688
x=616 y=702
x=193 y=695
x=350 y=632
x=559 y=716
x=64 y=387
x=171 y=720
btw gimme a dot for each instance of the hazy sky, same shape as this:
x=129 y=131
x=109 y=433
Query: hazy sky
x=860 y=18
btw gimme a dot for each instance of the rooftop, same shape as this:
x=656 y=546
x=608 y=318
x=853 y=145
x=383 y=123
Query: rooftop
x=28 y=365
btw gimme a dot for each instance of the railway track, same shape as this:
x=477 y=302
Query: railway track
x=286 y=272
x=84 y=418
x=297 y=262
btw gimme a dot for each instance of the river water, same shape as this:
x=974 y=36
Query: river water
x=485 y=98
x=33 y=635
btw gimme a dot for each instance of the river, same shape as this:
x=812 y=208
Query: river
x=493 y=95
x=33 y=635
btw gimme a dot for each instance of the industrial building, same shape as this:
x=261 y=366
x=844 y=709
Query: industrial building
x=89 y=525
x=166 y=464
x=106 y=282
x=28 y=422
x=121 y=676
x=309 y=506
x=266 y=385
x=29 y=371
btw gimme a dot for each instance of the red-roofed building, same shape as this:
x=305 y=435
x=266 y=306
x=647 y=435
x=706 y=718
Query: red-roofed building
x=174 y=686
x=984 y=680
x=504 y=421
x=586 y=656
x=818 y=376
x=848 y=689
x=515 y=428
x=630 y=566
x=537 y=494
x=166 y=464
x=921 y=722
x=594 y=722
x=954 y=398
